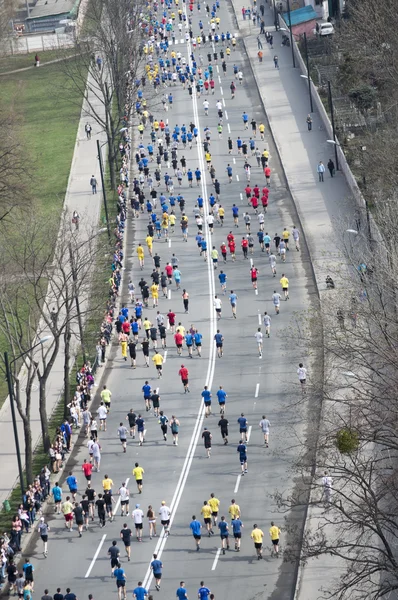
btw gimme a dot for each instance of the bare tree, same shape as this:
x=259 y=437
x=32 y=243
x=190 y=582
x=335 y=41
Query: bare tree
x=13 y=169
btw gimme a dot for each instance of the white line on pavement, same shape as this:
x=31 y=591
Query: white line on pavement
x=241 y=195
x=259 y=319
x=237 y=483
x=169 y=295
x=95 y=556
x=256 y=291
x=234 y=161
x=257 y=390
x=249 y=433
x=237 y=178
x=165 y=356
x=119 y=499
x=251 y=262
x=226 y=115
x=222 y=93
x=229 y=128
x=169 y=243
x=223 y=101
x=216 y=559
x=218 y=69
x=219 y=79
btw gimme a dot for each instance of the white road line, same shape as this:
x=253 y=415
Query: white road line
x=165 y=357
x=216 y=559
x=223 y=101
x=257 y=390
x=212 y=356
x=237 y=178
x=256 y=291
x=259 y=319
x=169 y=294
x=226 y=115
x=251 y=262
x=249 y=433
x=169 y=243
x=241 y=195
x=234 y=161
x=237 y=483
x=218 y=68
x=219 y=79
x=168 y=324
x=95 y=556
x=229 y=128
x=222 y=93
x=119 y=499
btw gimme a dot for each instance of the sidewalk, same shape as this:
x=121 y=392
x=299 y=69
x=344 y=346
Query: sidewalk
x=325 y=209
x=79 y=197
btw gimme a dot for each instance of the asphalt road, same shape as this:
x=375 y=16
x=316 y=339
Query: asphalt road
x=183 y=476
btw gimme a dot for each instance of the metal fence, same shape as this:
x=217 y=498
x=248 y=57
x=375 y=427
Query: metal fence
x=37 y=43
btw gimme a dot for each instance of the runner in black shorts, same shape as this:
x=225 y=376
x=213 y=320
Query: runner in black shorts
x=125 y=534
x=145 y=351
x=131 y=418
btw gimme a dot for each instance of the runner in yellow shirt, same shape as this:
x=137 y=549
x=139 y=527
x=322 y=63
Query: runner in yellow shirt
x=172 y=221
x=257 y=537
x=228 y=51
x=157 y=360
x=67 y=510
x=214 y=504
x=275 y=533
x=206 y=512
x=140 y=254
x=285 y=237
x=181 y=329
x=155 y=294
x=234 y=510
x=138 y=473
x=208 y=159
x=149 y=243
x=285 y=285
x=221 y=214
x=106 y=396
x=107 y=484
x=261 y=129
x=147 y=325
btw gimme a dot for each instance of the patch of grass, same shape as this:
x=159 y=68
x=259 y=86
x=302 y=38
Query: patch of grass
x=21 y=61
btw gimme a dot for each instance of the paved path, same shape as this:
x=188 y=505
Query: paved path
x=183 y=476
x=42 y=64
x=79 y=197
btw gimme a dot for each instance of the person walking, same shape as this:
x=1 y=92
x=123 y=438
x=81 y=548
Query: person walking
x=276 y=61
x=331 y=167
x=309 y=122
x=93 y=183
x=264 y=426
x=43 y=529
x=321 y=170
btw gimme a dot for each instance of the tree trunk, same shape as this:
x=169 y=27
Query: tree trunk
x=43 y=414
x=67 y=338
x=28 y=452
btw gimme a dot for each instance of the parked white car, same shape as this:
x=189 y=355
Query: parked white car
x=326 y=29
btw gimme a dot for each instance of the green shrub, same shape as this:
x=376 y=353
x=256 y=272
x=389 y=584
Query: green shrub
x=347 y=441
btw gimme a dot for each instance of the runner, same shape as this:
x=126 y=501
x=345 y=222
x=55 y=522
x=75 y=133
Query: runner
x=151 y=522
x=285 y=285
x=267 y=324
x=157 y=360
x=206 y=395
x=259 y=339
x=265 y=425
x=224 y=534
x=122 y=433
x=175 y=427
x=138 y=472
x=253 y=276
x=223 y=281
x=183 y=373
x=207 y=437
x=219 y=343
x=137 y=515
x=221 y=396
x=195 y=527
x=214 y=504
x=43 y=530
x=156 y=568
x=132 y=418
x=242 y=449
x=257 y=537
x=233 y=300
x=165 y=514
x=276 y=300
x=218 y=306
x=124 y=500
x=302 y=375
x=243 y=426
x=163 y=420
x=237 y=525
x=275 y=533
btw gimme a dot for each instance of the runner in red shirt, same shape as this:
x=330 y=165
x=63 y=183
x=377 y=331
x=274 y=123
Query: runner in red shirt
x=265 y=191
x=267 y=173
x=253 y=275
x=223 y=249
x=126 y=327
x=206 y=84
x=87 y=469
x=212 y=85
x=172 y=320
x=245 y=245
x=183 y=373
x=179 y=338
x=248 y=191
x=232 y=247
x=230 y=237
x=264 y=202
x=256 y=191
x=169 y=272
x=254 y=203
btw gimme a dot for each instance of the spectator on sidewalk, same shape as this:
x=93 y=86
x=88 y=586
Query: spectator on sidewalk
x=276 y=62
x=259 y=43
x=321 y=170
x=309 y=122
x=93 y=183
x=331 y=167
x=88 y=129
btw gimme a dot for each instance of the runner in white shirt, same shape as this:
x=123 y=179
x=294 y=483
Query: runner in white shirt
x=124 y=499
x=261 y=220
x=165 y=512
x=302 y=375
x=296 y=237
x=259 y=338
x=137 y=516
x=267 y=324
x=217 y=305
x=265 y=425
x=276 y=299
x=206 y=107
x=210 y=222
x=102 y=414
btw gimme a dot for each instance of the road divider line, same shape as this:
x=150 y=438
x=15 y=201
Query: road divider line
x=237 y=178
x=169 y=243
x=215 y=561
x=221 y=92
x=165 y=357
x=169 y=294
x=95 y=556
x=226 y=115
x=257 y=390
x=237 y=483
x=249 y=433
x=229 y=128
x=234 y=161
x=259 y=319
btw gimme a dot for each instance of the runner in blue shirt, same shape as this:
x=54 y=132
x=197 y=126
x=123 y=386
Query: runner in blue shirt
x=222 y=396
x=195 y=527
x=243 y=426
x=224 y=534
x=260 y=235
x=198 y=342
x=198 y=176
x=190 y=177
x=235 y=214
x=242 y=449
x=72 y=483
x=181 y=593
x=245 y=119
x=203 y=591
x=229 y=172
x=223 y=281
x=120 y=577
x=206 y=395
x=233 y=300
x=236 y=529
x=189 y=343
x=147 y=391
x=204 y=249
x=140 y=592
x=157 y=566
x=218 y=338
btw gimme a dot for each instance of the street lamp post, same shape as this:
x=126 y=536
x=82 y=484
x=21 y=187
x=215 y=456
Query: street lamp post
x=275 y=16
x=308 y=72
x=8 y=364
x=101 y=166
x=330 y=98
x=291 y=34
